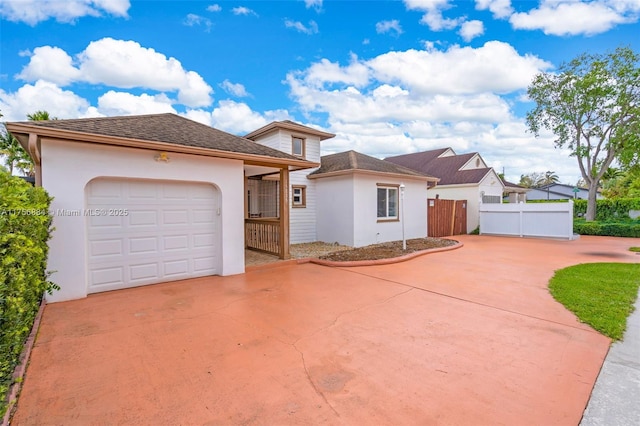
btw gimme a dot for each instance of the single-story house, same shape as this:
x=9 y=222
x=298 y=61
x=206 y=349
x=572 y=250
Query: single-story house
x=328 y=203
x=146 y=199
x=462 y=177
x=559 y=191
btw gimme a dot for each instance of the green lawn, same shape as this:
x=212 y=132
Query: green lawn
x=634 y=249
x=600 y=294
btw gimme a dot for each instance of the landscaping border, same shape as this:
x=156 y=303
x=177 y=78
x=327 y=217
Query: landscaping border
x=350 y=263
x=21 y=368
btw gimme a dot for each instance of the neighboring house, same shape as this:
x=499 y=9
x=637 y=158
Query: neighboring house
x=514 y=192
x=361 y=200
x=559 y=191
x=146 y=199
x=462 y=177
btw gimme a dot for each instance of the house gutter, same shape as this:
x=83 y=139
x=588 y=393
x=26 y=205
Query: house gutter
x=372 y=172
x=30 y=136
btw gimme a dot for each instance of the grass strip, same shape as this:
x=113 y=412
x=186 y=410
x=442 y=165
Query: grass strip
x=600 y=294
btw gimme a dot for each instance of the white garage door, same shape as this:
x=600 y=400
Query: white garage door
x=145 y=232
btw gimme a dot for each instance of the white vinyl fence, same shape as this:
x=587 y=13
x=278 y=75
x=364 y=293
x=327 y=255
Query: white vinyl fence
x=542 y=220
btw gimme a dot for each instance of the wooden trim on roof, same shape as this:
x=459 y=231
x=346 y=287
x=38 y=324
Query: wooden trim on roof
x=286 y=125
x=22 y=131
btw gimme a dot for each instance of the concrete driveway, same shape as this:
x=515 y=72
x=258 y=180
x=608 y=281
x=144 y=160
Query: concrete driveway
x=469 y=336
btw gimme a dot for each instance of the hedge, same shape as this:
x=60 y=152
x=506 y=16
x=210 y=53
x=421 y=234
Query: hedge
x=611 y=229
x=608 y=210
x=25 y=227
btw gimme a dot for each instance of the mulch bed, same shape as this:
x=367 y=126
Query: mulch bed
x=387 y=250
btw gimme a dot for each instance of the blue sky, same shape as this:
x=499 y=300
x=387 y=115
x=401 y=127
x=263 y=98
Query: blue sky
x=387 y=77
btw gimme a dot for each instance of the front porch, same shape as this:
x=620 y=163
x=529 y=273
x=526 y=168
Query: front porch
x=266 y=223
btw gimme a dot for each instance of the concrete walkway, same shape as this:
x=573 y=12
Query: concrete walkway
x=466 y=337
x=615 y=400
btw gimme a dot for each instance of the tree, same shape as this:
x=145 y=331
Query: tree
x=16 y=157
x=40 y=116
x=531 y=180
x=592 y=105
x=550 y=178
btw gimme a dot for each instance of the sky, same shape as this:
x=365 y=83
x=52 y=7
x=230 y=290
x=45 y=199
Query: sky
x=387 y=77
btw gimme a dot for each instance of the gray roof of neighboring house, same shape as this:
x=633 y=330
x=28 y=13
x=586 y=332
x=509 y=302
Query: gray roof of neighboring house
x=167 y=128
x=445 y=168
x=355 y=161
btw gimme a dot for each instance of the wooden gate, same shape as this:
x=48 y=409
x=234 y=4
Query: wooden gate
x=446 y=217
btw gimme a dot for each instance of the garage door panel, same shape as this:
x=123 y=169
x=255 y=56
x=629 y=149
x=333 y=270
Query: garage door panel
x=203 y=240
x=175 y=217
x=104 y=220
x=107 y=276
x=102 y=248
x=142 y=218
x=143 y=245
x=170 y=233
x=204 y=264
x=176 y=242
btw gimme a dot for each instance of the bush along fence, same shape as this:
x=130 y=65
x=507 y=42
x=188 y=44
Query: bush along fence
x=25 y=228
x=616 y=218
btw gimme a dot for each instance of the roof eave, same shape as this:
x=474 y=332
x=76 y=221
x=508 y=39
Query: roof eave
x=275 y=125
x=22 y=131
x=372 y=172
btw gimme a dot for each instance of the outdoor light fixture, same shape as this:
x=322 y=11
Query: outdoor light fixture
x=404 y=241
x=162 y=156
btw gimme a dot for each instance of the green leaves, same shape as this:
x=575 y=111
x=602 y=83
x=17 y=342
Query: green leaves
x=25 y=226
x=592 y=105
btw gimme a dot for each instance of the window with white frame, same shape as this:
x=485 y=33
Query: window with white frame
x=387 y=202
x=298 y=196
x=297 y=146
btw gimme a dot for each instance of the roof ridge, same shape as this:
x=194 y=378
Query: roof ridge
x=352 y=159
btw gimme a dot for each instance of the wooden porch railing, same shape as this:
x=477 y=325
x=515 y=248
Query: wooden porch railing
x=263 y=235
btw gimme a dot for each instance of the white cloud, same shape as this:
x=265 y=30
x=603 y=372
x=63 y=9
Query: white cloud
x=566 y=17
x=409 y=101
x=68 y=11
x=235 y=89
x=471 y=29
x=241 y=10
x=195 y=20
x=124 y=103
x=42 y=95
x=500 y=8
x=122 y=64
x=494 y=67
x=315 y=4
x=383 y=27
x=312 y=28
x=214 y=8
x=50 y=63
x=433 y=17
x=238 y=118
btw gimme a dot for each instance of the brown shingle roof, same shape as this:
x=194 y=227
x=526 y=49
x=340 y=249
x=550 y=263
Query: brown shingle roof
x=354 y=161
x=445 y=168
x=167 y=128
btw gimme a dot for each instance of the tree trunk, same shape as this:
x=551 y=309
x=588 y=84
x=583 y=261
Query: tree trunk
x=591 y=201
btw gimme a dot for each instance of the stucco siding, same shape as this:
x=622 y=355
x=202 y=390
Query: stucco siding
x=335 y=210
x=368 y=230
x=67 y=169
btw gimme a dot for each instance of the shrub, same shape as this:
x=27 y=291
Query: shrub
x=608 y=210
x=612 y=229
x=25 y=225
